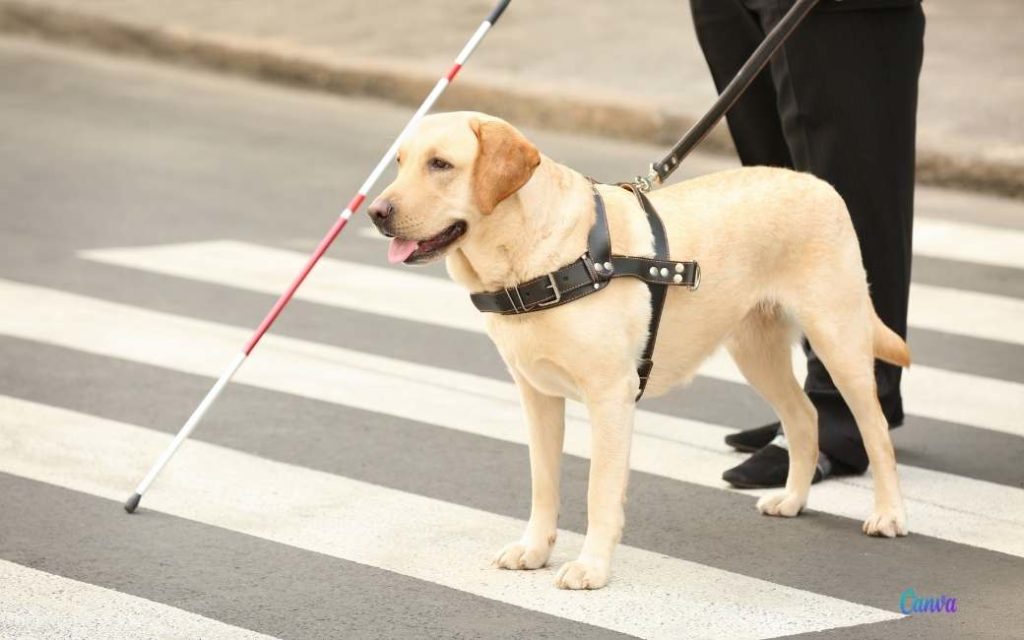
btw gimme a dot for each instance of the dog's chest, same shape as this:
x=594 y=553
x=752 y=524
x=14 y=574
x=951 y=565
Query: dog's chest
x=537 y=356
x=550 y=379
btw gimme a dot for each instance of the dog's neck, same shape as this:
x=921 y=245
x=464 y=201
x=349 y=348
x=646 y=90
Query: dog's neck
x=538 y=229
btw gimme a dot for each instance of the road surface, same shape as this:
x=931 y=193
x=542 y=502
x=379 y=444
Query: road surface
x=356 y=479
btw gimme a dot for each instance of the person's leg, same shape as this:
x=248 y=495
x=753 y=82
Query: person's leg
x=847 y=94
x=728 y=33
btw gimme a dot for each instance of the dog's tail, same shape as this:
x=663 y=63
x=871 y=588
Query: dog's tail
x=888 y=346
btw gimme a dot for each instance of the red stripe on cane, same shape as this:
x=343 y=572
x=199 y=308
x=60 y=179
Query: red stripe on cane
x=287 y=295
x=356 y=202
x=453 y=71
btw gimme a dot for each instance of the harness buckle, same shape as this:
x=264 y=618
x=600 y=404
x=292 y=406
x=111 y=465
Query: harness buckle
x=696 y=276
x=553 y=285
x=522 y=305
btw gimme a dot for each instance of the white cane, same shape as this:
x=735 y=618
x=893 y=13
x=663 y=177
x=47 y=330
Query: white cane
x=353 y=206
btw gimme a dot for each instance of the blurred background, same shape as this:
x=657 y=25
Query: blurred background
x=632 y=72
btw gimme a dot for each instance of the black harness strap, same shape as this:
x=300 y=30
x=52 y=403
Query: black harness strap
x=658 y=290
x=594 y=270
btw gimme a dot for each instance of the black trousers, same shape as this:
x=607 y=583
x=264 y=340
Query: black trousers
x=839 y=100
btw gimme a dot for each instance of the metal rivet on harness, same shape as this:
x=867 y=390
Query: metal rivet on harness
x=609 y=266
x=598 y=266
x=654 y=271
x=679 y=268
x=664 y=272
x=677 y=278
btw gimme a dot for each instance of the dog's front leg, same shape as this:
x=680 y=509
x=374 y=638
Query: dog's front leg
x=611 y=416
x=545 y=418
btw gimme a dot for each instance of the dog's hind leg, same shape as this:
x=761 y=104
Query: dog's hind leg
x=761 y=346
x=545 y=418
x=845 y=343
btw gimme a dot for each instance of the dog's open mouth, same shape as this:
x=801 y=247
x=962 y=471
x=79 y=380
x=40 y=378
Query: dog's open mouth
x=417 y=251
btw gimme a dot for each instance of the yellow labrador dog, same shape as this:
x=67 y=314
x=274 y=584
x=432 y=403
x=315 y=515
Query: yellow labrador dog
x=778 y=255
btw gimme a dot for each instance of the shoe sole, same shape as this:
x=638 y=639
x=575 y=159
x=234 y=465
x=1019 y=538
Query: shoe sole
x=750 y=485
x=744 y=485
x=743 y=448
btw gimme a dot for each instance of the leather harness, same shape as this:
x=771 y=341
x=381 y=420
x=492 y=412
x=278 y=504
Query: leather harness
x=592 y=272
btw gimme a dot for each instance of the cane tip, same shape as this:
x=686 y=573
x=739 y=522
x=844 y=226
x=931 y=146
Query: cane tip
x=133 y=503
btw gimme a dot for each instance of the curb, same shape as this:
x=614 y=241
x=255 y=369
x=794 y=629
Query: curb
x=535 y=106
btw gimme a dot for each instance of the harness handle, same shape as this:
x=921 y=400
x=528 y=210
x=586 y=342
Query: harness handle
x=661 y=170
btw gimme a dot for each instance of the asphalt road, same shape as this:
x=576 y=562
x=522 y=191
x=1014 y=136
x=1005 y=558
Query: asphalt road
x=356 y=479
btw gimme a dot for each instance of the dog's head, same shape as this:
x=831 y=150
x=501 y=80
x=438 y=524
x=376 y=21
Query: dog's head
x=453 y=172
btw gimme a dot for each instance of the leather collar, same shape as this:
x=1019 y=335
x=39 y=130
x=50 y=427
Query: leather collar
x=592 y=272
x=587 y=274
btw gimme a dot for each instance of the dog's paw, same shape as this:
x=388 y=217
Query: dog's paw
x=886 y=524
x=517 y=555
x=784 y=503
x=580 y=574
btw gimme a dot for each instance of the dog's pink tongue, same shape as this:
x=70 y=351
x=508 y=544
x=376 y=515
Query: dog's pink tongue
x=399 y=250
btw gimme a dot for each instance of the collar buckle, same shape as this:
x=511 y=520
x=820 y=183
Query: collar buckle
x=520 y=306
x=553 y=285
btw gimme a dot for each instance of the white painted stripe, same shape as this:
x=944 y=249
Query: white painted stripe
x=968 y=511
x=929 y=392
x=394 y=292
x=950 y=240
x=411 y=535
x=367 y=233
x=967 y=313
x=402 y=293
x=35 y=605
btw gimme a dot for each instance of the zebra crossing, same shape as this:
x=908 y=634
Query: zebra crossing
x=680 y=449
x=97 y=612
x=931 y=392
x=427 y=539
x=423 y=538
x=369 y=459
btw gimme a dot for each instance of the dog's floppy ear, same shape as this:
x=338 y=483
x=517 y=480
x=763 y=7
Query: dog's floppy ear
x=504 y=163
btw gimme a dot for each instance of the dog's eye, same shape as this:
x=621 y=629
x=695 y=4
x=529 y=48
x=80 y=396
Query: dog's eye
x=438 y=164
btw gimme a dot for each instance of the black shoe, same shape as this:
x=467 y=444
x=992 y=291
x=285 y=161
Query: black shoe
x=751 y=440
x=766 y=468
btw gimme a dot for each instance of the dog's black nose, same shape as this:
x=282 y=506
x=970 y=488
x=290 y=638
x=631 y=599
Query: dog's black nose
x=381 y=211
